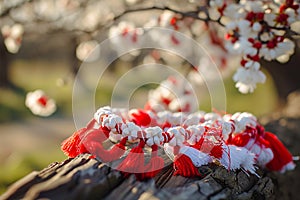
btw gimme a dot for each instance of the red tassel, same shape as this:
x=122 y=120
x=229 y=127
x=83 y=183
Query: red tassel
x=71 y=146
x=139 y=117
x=97 y=135
x=282 y=156
x=154 y=166
x=217 y=151
x=183 y=165
x=93 y=143
x=239 y=140
x=134 y=162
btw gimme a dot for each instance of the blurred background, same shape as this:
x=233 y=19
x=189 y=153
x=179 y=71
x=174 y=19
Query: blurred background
x=47 y=60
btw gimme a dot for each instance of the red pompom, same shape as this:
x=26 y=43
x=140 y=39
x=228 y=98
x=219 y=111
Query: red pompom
x=282 y=157
x=239 y=140
x=93 y=143
x=139 y=117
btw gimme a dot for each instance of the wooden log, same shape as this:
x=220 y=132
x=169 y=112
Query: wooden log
x=86 y=178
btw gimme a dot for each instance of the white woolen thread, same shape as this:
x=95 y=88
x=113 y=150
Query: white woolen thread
x=196 y=132
x=106 y=110
x=154 y=135
x=130 y=129
x=197 y=157
x=237 y=157
x=178 y=134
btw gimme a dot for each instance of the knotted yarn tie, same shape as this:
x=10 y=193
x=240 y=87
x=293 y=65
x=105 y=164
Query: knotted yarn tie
x=234 y=141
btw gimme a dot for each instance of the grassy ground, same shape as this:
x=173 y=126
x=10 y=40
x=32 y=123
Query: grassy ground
x=34 y=151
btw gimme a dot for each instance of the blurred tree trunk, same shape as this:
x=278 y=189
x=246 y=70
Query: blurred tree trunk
x=285 y=76
x=74 y=61
x=4 y=63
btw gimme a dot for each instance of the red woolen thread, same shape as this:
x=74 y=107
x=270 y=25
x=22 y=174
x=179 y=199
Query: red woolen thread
x=217 y=151
x=140 y=117
x=239 y=140
x=97 y=135
x=183 y=165
x=167 y=137
x=71 y=146
x=93 y=143
x=134 y=162
x=281 y=155
x=154 y=166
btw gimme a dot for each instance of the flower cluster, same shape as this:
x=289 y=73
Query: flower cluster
x=40 y=104
x=190 y=140
x=174 y=94
x=12 y=37
x=88 y=51
x=253 y=30
x=125 y=35
x=256 y=30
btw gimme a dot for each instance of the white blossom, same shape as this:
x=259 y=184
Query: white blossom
x=12 y=37
x=246 y=79
x=255 y=6
x=247 y=30
x=126 y=36
x=286 y=47
x=173 y=94
x=40 y=104
x=88 y=51
x=246 y=47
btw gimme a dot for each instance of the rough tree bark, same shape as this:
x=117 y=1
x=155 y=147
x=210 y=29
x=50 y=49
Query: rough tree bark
x=85 y=178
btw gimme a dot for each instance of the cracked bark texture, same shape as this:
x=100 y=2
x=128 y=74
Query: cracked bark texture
x=85 y=178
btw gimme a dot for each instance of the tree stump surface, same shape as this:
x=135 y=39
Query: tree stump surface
x=86 y=178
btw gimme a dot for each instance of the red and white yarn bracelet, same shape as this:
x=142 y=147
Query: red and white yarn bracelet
x=234 y=141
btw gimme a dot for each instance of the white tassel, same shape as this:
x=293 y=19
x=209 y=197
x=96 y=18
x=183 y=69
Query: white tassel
x=238 y=157
x=198 y=158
